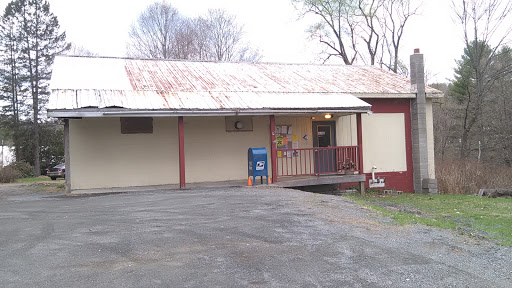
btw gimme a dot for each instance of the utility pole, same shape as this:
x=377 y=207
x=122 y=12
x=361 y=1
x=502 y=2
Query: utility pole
x=2 y=157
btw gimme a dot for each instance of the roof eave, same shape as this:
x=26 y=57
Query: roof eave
x=93 y=113
x=385 y=95
x=435 y=95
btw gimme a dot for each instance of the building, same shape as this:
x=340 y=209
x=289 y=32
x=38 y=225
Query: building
x=133 y=122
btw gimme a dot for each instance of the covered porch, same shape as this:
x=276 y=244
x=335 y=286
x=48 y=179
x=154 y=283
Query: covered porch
x=324 y=163
x=291 y=167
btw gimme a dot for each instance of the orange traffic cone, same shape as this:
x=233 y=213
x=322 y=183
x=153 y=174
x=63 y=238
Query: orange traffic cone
x=269 y=180
x=249 y=182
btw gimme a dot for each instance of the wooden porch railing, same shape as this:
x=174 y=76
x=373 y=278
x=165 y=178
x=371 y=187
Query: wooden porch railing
x=317 y=161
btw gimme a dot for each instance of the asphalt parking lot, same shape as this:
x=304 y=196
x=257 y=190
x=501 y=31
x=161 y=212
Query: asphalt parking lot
x=230 y=237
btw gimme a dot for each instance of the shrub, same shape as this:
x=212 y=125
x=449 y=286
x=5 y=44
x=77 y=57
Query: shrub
x=469 y=176
x=24 y=169
x=8 y=174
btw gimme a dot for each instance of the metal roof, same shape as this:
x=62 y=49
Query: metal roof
x=80 y=83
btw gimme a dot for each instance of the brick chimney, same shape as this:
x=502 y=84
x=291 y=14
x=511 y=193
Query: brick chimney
x=422 y=182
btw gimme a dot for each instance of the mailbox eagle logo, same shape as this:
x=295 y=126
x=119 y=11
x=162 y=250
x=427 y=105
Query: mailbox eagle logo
x=260 y=165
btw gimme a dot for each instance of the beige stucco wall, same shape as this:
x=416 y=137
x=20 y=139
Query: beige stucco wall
x=384 y=142
x=346 y=130
x=102 y=157
x=430 y=140
x=212 y=154
x=372 y=132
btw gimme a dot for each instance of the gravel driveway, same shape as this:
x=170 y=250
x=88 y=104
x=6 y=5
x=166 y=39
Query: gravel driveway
x=230 y=237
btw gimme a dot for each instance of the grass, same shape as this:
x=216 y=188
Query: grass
x=49 y=187
x=470 y=215
x=44 y=184
x=34 y=179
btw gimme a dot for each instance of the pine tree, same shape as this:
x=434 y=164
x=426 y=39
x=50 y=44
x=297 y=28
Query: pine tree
x=10 y=85
x=39 y=40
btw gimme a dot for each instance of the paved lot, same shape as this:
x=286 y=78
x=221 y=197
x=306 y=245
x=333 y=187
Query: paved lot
x=231 y=237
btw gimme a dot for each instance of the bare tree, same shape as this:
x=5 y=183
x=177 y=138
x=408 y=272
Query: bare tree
x=482 y=23
x=336 y=28
x=446 y=136
x=359 y=30
x=224 y=38
x=186 y=40
x=161 y=32
x=153 y=36
x=249 y=54
x=77 y=50
x=371 y=28
x=224 y=35
x=201 y=36
x=397 y=13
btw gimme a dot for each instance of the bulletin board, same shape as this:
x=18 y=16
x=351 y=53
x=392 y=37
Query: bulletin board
x=285 y=139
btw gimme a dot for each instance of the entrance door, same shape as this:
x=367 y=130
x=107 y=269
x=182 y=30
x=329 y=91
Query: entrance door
x=324 y=135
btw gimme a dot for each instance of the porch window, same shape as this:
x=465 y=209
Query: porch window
x=136 y=125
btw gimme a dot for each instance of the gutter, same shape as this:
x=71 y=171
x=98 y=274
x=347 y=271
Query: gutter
x=196 y=113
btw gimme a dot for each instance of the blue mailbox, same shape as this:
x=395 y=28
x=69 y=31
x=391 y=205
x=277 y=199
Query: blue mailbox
x=257 y=158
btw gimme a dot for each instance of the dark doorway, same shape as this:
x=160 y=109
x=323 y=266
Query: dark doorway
x=324 y=135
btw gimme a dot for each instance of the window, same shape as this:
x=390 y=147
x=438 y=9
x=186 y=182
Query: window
x=136 y=125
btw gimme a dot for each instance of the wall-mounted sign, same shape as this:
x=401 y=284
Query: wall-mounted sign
x=279 y=142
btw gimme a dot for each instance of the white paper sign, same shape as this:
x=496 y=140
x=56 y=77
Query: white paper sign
x=260 y=165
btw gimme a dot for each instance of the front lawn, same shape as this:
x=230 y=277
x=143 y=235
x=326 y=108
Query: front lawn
x=34 y=179
x=470 y=215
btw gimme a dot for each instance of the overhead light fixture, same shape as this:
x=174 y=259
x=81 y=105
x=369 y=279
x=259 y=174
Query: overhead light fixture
x=313 y=118
x=328 y=116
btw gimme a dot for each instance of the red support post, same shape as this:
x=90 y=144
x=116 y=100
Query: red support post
x=273 y=152
x=182 y=151
x=360 y=142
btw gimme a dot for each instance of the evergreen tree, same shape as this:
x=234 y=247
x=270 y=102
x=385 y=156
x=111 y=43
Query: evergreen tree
x=38 y=40
x=481 y=75
x=10 y=85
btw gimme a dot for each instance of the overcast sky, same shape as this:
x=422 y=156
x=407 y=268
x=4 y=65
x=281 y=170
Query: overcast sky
x=273 y=26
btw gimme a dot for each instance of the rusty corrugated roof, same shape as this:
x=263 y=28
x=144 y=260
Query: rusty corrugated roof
x=85 y=82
